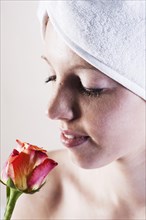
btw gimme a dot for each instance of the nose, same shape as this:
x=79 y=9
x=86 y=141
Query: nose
x=61 y=105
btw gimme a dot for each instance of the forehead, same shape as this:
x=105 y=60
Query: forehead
x=57 y=51
x=64 y=60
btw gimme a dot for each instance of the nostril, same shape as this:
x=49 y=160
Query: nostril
x=60 y=113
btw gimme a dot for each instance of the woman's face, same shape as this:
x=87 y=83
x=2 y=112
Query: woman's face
x=100 y=120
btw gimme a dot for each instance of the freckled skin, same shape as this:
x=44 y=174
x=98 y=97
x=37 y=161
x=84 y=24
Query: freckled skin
x=114 y=121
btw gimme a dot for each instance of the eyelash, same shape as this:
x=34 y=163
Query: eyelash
x=85 y=91
x=50 y=78
x=91 y=92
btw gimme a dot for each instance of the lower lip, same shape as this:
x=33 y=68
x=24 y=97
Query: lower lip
x=70 y=143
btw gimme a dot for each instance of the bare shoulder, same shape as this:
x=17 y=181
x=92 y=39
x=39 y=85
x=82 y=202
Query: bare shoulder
x=41 y=204
x=64 y=169
x=58 y=175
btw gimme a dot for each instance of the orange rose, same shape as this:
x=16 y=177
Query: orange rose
x=25 y=172
x=28 y=167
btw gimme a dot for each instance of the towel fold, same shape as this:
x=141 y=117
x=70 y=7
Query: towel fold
x=110 y=35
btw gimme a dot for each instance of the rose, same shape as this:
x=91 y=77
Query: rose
x=25 y=172
x=27 y=166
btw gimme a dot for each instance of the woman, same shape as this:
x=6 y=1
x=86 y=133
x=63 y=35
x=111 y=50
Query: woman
x=95 y=55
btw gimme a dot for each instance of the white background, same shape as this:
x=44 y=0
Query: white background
x=23 y=91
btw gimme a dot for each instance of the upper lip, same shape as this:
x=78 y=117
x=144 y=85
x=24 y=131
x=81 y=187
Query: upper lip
x=73 y=133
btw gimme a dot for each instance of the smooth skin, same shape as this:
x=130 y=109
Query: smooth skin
x=104 y=178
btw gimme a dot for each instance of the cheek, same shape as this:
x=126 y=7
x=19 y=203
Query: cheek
x=114 y=122
x=99 y=120
x=105 y=124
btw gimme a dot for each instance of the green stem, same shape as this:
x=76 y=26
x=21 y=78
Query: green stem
x=14 y=195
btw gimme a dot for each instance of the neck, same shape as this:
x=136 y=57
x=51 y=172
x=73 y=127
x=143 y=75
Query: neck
x=133 y=169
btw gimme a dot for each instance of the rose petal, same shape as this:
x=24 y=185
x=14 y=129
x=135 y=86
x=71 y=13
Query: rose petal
x=20 y=145
x=33 y=147
x=36 y=157
x=40 y=172
x=4 y=175
x=39 y=157
x=19 y=169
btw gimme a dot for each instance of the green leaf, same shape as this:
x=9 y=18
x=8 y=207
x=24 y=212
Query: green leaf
x=10 y=183
x=34 y=191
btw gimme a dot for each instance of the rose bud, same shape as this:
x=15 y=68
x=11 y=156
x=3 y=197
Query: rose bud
x=27 y=168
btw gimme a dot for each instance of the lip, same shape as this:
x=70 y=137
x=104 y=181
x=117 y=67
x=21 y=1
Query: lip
x=72 y=139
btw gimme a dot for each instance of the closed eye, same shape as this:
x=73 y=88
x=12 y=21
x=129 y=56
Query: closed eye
x=91 y=91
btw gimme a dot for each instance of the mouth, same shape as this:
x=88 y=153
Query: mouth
x=71 y=139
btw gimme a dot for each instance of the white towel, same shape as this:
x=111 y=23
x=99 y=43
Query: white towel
x=108 y=34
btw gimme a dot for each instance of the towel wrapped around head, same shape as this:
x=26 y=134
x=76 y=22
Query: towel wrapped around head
x=110 y=35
